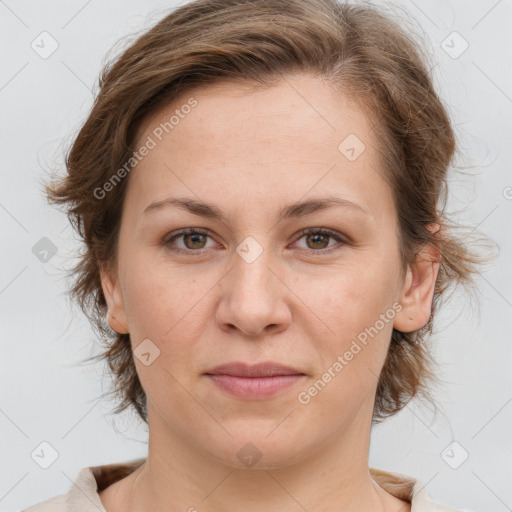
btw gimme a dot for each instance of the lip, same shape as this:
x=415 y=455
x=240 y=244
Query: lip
x=266 y=369
x=254 y=381
x=254 y=388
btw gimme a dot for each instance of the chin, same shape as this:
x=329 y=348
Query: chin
x=259 y=450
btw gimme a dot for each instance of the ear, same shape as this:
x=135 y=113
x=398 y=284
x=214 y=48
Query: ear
x=418 y=289
x=116 y=315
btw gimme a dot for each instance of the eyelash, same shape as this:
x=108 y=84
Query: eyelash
x=308 y=231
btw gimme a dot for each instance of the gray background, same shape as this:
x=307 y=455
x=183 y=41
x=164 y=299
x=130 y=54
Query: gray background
x=47 y=396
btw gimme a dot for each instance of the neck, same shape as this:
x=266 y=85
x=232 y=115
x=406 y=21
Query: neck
x=335 y=477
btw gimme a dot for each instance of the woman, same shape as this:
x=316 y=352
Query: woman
x=258 y=188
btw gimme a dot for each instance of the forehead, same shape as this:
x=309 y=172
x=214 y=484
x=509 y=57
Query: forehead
x=298 y=108
x=268 y=144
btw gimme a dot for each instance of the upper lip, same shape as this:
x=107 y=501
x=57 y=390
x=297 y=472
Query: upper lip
x=240 y=369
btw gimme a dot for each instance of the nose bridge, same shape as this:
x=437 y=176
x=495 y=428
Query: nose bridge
x=251 y=265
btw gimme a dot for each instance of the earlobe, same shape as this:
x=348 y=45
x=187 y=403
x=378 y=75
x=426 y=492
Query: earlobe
x=116 y=316
x=418 y=290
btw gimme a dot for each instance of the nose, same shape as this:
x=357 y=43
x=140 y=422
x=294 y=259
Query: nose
x=255 y=295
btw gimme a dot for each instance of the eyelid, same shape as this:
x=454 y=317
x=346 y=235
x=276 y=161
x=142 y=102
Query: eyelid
x=319 y=229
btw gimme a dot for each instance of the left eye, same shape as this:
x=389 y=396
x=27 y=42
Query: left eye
x=194 y=240
x=319 y=238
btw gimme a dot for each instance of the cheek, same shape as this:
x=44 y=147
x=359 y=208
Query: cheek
x=354 y=311
x=352 y=296
x=160 y=303
x=168 y=310
x=169 y=305
x=351 y=356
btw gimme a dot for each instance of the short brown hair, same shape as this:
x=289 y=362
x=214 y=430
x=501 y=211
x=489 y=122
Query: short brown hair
x=356 y=47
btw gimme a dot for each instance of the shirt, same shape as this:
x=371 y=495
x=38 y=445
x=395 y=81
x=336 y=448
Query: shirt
x=83 y=495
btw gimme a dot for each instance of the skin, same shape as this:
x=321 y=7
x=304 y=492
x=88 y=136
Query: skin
x=250 y=153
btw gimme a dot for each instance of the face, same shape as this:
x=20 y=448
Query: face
x=314 y=288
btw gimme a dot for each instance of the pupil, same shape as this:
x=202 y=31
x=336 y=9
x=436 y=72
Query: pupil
x=194 y=236
x=315 y=237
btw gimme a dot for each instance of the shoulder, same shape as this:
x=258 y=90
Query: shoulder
x=410 y=489
x=55 y=504
x=422 y=502
x=83 y=494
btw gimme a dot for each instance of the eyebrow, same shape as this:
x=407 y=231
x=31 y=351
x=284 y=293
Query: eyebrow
x=291 y=211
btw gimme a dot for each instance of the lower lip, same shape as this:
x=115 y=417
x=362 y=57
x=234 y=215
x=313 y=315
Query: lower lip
x=255 y=387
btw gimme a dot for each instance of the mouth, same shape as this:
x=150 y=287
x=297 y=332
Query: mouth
x=267 y=369
x=254 y=381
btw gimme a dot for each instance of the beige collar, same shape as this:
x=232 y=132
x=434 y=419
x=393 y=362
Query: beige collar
x=83 y=495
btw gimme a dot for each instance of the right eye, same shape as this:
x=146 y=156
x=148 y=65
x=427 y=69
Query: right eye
x=193 y=240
